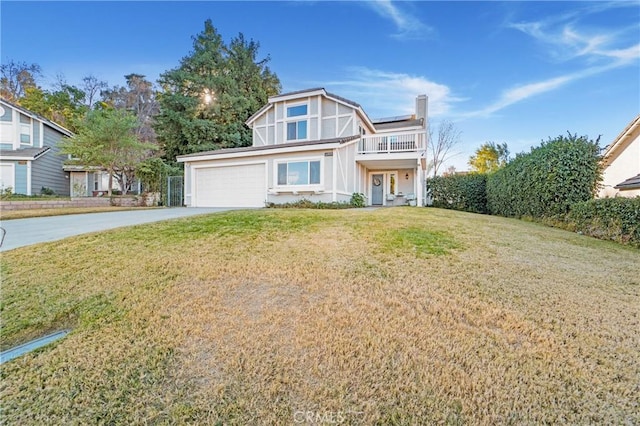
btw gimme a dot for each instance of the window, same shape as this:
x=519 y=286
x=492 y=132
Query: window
x=25 y=134
x=25 y=129
x=296 y=111
x=296 y=129
x=299 y=173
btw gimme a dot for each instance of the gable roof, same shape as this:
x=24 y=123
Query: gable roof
x=23 y=153
x=619 y=143
x=268 y=147
x=631 y=183
x=305 y=93
x=38 y=117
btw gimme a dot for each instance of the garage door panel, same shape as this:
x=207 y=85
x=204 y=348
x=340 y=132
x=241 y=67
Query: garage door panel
x=230 y=186
x=7 y=177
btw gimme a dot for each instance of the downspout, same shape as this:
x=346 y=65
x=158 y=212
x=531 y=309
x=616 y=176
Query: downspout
x=334 y=171
x=29 y=192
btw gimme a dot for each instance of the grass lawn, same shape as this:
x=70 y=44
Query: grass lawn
x=392 y=316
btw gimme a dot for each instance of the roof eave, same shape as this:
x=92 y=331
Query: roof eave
x=618 y=141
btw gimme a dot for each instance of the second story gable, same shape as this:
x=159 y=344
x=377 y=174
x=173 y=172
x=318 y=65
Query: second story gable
x=308 y=115
x=22 y=129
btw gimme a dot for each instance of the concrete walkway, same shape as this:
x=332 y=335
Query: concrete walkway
x=24 y=232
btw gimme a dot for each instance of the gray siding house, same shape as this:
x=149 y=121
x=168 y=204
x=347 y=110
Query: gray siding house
x=315 y=145
x=30 y=159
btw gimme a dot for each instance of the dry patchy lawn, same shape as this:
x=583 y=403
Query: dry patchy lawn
x=393 y=316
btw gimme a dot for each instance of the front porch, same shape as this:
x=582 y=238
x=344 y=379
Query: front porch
x=393 y=182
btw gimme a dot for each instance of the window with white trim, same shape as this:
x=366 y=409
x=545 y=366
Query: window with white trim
x=293 y=173
x=25 y=130
x=297 y=128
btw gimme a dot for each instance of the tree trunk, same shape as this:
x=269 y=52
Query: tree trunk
x=110 y=181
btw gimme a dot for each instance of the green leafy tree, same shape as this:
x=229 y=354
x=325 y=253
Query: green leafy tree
x=489 y=157
x=106 y=138
x=205 y=101
x=64 y=106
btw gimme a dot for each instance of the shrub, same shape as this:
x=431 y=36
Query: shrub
x=308 y=204
x=546 y=181
x=6 y=193
x=616 y=219
x=47 y=191
x=357 y=200
x=459 y=192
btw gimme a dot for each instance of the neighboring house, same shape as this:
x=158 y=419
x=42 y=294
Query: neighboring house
x=91 y=181
x=318 y=146
x=621 y=162
x=30 y=159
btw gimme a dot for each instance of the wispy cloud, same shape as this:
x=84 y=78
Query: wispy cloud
x=592 y=51
x=384 y=93
x=522 y=92
x=408 y=26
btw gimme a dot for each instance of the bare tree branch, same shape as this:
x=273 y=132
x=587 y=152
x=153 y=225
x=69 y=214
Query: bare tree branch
x=448 y=137
x=16 y=77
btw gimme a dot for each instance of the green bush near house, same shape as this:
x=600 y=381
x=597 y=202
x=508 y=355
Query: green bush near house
x=545 y=182
x=357 y=200
x=616 y=219
x=459 y=192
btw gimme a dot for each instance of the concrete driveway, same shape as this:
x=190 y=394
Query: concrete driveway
x=24 y=232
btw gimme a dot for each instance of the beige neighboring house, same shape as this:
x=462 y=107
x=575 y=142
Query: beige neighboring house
x=621 y=161
x=89 y=181
x=314 y=145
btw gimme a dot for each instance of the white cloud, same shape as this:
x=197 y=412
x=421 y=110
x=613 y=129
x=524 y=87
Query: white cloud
x=407 y=25
x=525 y=91
x=384 y=94
x=602 y=50
x=519 y=93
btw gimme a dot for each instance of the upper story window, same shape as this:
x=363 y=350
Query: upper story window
x=25 y=130
x=295 y=111
x=297 y=122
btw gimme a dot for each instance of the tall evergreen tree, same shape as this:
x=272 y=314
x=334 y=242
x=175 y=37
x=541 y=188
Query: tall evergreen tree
x=206 y=100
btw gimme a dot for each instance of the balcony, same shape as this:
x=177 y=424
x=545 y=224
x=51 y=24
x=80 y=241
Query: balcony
x=392 y=143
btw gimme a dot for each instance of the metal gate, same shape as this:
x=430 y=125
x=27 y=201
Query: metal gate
x=175 y=186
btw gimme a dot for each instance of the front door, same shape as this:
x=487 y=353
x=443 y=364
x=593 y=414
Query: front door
x=376 y=189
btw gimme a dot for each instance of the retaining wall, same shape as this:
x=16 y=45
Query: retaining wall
x=76 y=202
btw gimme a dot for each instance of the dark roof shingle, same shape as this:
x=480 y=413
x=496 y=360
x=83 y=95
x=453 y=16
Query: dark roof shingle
x=23 y=152
x=631 y=183
x=268 y=147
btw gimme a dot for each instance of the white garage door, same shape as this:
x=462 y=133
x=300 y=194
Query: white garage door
x=230 y=186
x=7 y=176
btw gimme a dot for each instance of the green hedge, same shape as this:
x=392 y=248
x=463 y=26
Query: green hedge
x=546 y=181
x=459 y=192
x=357 y=200
x=616 y=219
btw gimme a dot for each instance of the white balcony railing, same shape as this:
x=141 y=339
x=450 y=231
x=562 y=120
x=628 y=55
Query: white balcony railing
x=392 y=142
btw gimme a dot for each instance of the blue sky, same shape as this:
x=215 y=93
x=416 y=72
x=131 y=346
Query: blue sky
x=515 y=72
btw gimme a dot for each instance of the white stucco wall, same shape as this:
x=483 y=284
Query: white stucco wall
x=622 y=163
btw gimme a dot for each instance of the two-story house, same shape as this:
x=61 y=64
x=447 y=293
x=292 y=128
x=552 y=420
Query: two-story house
x=29 y=155
x=319 y=146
